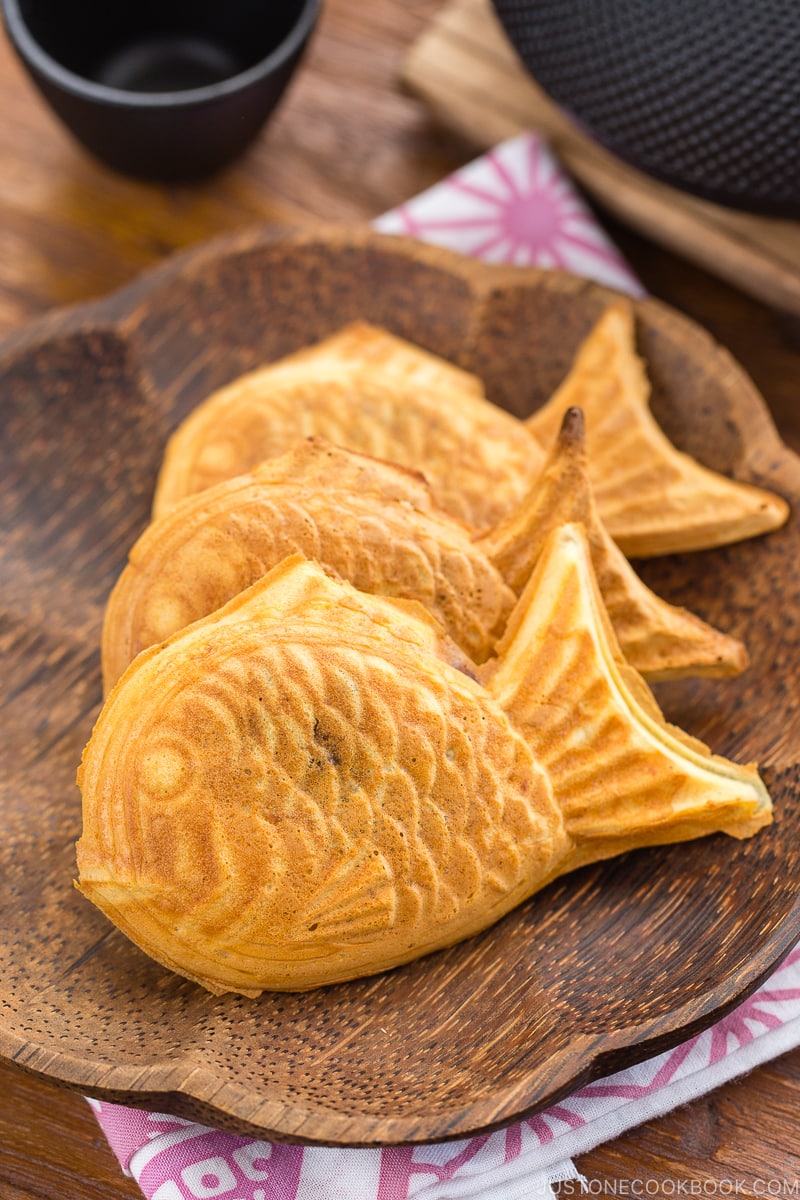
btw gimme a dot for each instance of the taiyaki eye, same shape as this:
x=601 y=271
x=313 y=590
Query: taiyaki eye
x=165 y=771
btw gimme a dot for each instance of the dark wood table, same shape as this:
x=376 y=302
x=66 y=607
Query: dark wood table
x=346 y=145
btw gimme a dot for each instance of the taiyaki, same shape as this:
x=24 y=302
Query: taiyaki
x=653 y=499
x=377 y=525
x=314 y=784
x=370 y=391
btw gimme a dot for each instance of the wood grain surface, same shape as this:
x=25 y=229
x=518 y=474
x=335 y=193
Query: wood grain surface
x=348 y=144
x=466 y=69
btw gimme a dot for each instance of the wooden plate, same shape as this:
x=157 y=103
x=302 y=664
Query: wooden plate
x=606 y=967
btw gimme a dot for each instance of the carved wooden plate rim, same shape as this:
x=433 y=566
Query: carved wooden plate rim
x=186 y=1083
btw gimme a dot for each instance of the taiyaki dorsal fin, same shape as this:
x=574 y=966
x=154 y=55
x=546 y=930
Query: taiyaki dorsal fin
x=315 y=462
x=658 y=639
x=652 y=498
x=622 y=776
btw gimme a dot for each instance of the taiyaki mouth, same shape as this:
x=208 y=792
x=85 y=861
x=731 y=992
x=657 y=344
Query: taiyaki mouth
x=376 y=525
x=311 y=785
x=371 y=392
x=653 y=499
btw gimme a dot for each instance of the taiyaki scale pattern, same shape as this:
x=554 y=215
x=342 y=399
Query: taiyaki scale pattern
x=371 y=522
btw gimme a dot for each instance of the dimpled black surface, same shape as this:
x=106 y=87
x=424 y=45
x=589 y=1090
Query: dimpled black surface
x=703 y=94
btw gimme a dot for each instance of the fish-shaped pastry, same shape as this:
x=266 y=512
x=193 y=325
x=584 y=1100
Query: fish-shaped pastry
x=377 y=525
x=370 y=391
x=314 y=784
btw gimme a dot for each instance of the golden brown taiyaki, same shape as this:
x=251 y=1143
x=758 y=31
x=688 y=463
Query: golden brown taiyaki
x=371 y=392
x=376 y=525
x=311 y=784
x=375 y=393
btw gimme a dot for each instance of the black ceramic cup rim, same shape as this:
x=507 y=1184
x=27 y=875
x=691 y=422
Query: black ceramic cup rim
x=70 y=81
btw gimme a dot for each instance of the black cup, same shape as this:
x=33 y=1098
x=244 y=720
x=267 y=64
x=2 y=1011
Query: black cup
x=161 y=89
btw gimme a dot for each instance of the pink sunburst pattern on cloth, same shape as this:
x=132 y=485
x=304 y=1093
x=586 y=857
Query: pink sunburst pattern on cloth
x=514 y=205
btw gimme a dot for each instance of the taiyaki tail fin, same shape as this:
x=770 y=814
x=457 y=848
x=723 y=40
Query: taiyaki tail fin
x=622 y=776
x=652 y=498
x=658 y=639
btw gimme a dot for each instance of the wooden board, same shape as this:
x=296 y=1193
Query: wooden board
x=465 y=68
x=603 y=968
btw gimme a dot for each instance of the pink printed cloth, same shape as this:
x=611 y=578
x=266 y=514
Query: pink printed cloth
x=513 y=205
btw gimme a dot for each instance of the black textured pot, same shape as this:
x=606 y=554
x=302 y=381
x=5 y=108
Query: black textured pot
x=704 y=96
